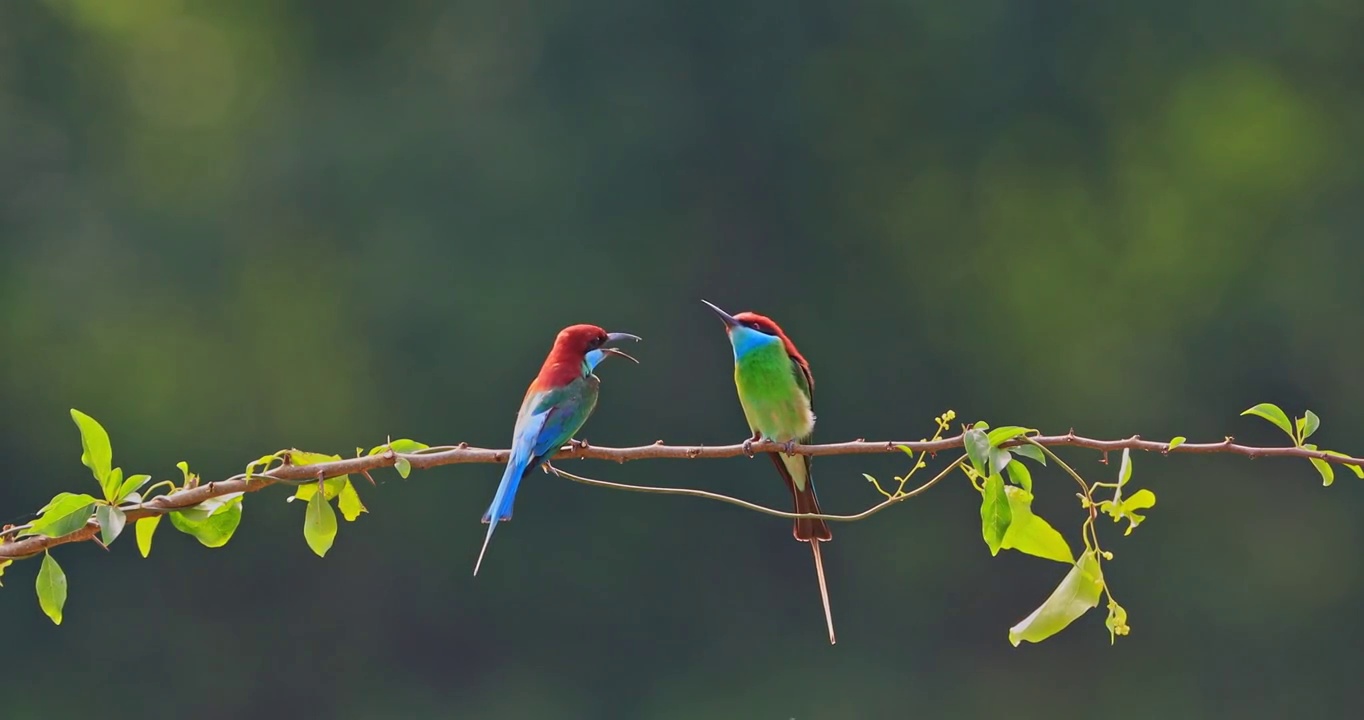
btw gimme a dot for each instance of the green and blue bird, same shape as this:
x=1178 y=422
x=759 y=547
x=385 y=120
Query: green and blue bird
x=556 y=405
x=775 y=389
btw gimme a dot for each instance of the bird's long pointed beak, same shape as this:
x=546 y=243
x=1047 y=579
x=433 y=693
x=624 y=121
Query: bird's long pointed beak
x=730 y=320
x=617 y=337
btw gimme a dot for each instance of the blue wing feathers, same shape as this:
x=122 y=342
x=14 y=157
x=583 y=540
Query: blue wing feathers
x=547 y=421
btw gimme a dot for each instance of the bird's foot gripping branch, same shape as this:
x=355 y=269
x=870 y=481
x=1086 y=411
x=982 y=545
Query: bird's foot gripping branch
x=996 y=461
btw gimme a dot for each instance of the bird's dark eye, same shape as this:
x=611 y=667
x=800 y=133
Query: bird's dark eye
x=598 y=341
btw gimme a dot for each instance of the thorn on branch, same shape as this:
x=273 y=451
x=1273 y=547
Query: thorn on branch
x=368 y=477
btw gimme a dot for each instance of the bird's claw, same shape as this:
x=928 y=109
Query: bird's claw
x=789 y=447
x=748 y=447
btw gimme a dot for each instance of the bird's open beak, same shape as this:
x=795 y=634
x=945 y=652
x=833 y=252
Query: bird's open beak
x=617 y=337
x=730 y=321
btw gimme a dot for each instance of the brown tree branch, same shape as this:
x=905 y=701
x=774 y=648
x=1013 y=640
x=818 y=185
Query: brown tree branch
x=452 y=455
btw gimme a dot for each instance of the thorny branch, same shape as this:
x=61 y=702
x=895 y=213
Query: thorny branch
x=457 y=454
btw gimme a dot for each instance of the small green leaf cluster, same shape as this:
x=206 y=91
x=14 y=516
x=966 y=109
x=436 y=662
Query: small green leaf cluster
x=995 y=465
x=1298 y=430
x=212 y=522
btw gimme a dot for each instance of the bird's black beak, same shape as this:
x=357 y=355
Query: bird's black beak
x=730 y=321
x=617 y=337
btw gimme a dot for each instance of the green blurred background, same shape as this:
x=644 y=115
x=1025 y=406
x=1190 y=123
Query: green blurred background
x=233 y=227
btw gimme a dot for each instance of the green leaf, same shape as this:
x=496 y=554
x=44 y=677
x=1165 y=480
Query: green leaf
x=260 y=465
x=1005 y=433
x=994 y=513
x=1031 y=534
x=332 y=488
x=112 y=483
x=1141 y=500
x=1020 y=475
x=3 y=562
x=977 y=450
x=1032 y=452
x=319 y=525
x=1307 y=425
x=51 y=588
x=1357 y=470
x=111 y=522
x=184 y=470
x=1078 y=592
x=1116 y=622
x=349 y=502
x=999 y=459
x=1125 y=467
x=402 y=466
x=131 y=485
x=209 y=507
x=65 y=514
x=402 y=445
x=96 y=453
x=1176 y=442
x=146 y=528
x=1327 y=471
x=214 y=530
x=1272 y=413
x=304 y=457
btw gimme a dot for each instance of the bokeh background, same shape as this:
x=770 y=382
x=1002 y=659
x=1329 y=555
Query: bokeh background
x=234 y=227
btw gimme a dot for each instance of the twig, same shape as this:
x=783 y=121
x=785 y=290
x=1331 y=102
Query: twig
x=457 y=454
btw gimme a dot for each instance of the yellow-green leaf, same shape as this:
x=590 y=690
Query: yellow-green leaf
x=1116 y=622
x=319 y=525
x=1005 y=433
x=3 y=562
x=1141 y=500
x=112 y=483
x=1078 y=592
x=146 y=528
x=1274 y=414
x=994 y=512
x=1176 y=442
x=349 y=502
x=401 y=445
x=1327 y=471
x=65 y=514
x=1307 y=424
x=304 y=457
x=403 y=466
x=331 y=488
x=1031 y=534
x=216 y=529
x=260 y=465
x=1357 y=470
x=131 y=485
x=1019 y=474
x=51 y=588
x=96 y=453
